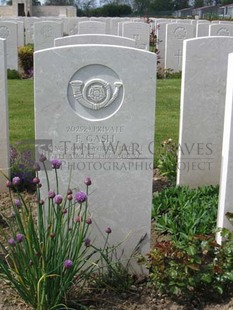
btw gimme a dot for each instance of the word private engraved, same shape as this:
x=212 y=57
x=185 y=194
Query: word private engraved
x=95 y=94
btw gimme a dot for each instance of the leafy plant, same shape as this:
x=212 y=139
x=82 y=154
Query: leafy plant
x=25 y=54
x=13 y=74
x=182 y=212
x=196 y=267
x=46 y=249
x=167 y=162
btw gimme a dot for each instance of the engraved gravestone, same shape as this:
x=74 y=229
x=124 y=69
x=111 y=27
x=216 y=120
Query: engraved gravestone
x=140 y=32
x=9 y=31
x=97 y=105
x=221 y=30
x=4 y=134
x=202 y=110
x=45 y=32
x=175 y=35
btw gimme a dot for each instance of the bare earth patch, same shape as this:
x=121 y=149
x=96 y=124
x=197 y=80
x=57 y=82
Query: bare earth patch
x=140 y=296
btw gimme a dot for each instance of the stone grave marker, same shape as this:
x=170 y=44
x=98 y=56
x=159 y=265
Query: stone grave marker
x=96 y=106
x=9 y=31
x=94 y=39
x=140 y=32
x=203 y=92
x=175 y=35
x=4 y=131
x=91 y=27
x=226 y=184
x=221 y=30
x=45 y=32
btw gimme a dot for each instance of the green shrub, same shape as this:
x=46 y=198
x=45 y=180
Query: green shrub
x=25 y=54
x=182 y=212
x=193 y=268
x=13 y=74
x=167 y=162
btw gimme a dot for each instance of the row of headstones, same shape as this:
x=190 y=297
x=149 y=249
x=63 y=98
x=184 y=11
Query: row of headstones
x=170 y=37
x=45 y=32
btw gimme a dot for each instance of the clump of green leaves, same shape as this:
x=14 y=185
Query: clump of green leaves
x=13 y=74
x=182 y=212
x=197 y=267
x=167 y=162
x=25 y=54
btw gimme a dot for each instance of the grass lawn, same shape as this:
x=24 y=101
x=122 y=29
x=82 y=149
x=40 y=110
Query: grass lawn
x=21 y=111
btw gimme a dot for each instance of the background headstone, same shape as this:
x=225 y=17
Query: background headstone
x=203 y=92
x=9 y=31
x=140 y=32
x=45 y=32
x=226 y=184
x=4 y=131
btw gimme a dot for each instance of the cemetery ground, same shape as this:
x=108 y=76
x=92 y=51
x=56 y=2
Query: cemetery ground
x=140 y=293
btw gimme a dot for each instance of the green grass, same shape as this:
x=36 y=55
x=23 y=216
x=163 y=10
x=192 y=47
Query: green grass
x=167 y=112
x=21 y=111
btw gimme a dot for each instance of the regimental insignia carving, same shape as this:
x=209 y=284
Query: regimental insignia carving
x=95 y=94
x=223 y=32
x=4 y=32
x=180 y=33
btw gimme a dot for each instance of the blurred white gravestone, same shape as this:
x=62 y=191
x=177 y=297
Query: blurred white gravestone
x=96 y=105
x=203 y=92
x=226 y=184
x=4 y=131
x=94 y=39
x=45 y=32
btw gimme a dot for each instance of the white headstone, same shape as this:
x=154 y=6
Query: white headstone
x=96 y=104
x=45 y=32
x=20 y=33
x=175 y=35
x=202 y=30
x=94 y=39
x=4 y=131
x=140 y=32
x=226 y=183
x=29 y=34
x=202 y=110
x=91 y=27
x=221 y=30
x=9 y=31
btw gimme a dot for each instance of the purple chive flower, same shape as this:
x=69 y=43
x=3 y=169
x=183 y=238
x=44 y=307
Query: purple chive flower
x=19 y=238
x=56 y=163
x=87 y=242
x=17 y=203
x=36 y=166
x=68 y=264
x=42 y=158
x=108 y=230
x=16 y=181
x=11 y=242
x=87 y=181
x=58 y=199
x=51 y=194
x=8 y=183
x=80 y=197
x=36 y=180
x=88 y=221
